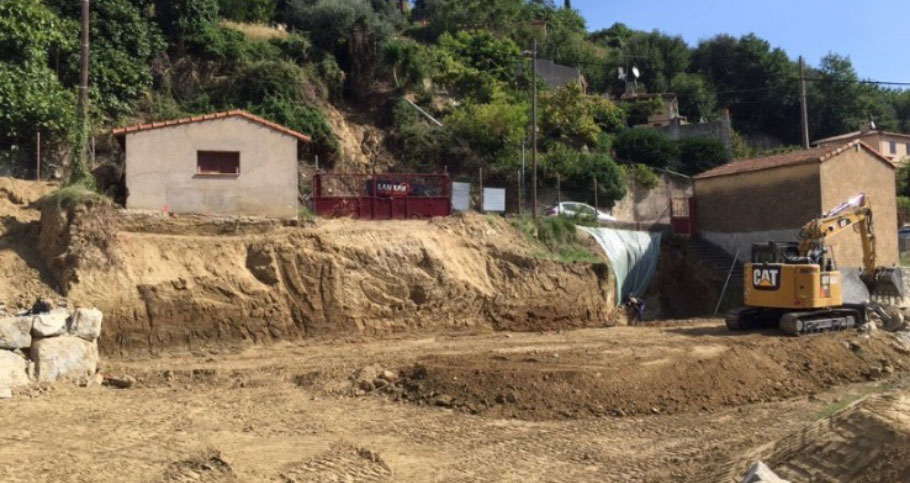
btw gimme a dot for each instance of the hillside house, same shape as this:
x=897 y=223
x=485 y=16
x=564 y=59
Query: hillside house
x=769 y=199
x=892 y=145
x=230 y=163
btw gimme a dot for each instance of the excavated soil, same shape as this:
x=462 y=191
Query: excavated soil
x=187 y=283
x=23 y=274
x=543 y=382
x=867 y=442
x=289 y=412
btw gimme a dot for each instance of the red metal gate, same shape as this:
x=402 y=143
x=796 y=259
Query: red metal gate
x=682 y=215
x=382 y=196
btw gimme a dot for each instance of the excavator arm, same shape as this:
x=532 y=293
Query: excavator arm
x=855 y=212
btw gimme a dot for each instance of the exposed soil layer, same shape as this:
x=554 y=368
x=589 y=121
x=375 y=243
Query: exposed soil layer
x=720 y=370
x=867 y=442
x=23 y=272
x=286 y=412
x=184 y=282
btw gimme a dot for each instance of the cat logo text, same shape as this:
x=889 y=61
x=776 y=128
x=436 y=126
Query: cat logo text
x=766 y=278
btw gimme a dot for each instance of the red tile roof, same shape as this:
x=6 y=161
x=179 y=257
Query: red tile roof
x=815 y=155
x=209 y=117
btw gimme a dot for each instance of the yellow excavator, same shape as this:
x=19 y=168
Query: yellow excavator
x=798 y=287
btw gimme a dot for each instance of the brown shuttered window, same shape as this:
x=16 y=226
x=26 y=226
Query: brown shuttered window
x=217 y=163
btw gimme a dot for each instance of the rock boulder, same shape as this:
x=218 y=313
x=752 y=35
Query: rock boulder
x=50 y=324
x=13 y=370
x=64 y=357
x=15 y=332
x=86 y=324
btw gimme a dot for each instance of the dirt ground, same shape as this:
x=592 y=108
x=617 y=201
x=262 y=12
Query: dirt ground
x=676 y=402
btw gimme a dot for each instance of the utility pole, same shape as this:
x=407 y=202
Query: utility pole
x=79 y=168
x=802 y=101
x=534 y=130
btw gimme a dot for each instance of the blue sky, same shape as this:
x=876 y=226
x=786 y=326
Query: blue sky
x=875 y=34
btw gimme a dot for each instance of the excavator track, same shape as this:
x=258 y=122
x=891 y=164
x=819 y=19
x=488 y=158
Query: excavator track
x=801 y=323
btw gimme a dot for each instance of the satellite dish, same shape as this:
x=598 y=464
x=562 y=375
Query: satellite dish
x=635 y=72
x=622 y=73
x=871 y=124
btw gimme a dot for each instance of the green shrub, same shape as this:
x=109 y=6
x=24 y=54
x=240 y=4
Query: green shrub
x=557 y=235
x=903 y=209
x=642 y=175
x=699 y=154
x=74 y=195
x=645 y=146
x=261 y=11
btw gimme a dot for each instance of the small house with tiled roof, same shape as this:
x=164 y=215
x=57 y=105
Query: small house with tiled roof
x=770 y=198
x=231 y=163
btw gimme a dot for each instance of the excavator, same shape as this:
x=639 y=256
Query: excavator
x=798 y=287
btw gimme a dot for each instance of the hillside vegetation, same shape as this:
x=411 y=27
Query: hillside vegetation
x=462 y=61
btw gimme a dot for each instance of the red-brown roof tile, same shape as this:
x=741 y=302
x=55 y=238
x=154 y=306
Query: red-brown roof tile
x=209 y=117
x=815 y=155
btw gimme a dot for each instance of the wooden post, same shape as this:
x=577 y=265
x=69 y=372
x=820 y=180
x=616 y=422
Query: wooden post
x=480 y=180
x=38 y=158
x=520 y=207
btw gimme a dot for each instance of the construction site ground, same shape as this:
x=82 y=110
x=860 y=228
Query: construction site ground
x=676 y=401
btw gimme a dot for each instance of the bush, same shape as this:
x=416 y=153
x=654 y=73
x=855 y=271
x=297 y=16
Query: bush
x=903 y=209
x=645 y=146
x=699 y=154
x=558 y=236
x=74 y=195
x=261 y=11
x=642 y=175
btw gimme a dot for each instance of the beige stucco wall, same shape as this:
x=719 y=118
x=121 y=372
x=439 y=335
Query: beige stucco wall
x=161 y=169
x=858 y=171
x=768 y=200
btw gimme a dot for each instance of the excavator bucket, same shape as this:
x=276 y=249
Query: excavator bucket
x=887 y=283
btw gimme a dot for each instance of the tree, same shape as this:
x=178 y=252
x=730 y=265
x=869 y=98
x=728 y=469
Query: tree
x=494 y=131
x=352 y=31
x=758 y=83
x=247 y=10
x=840 y=103
x=645 y=146
x=31 y=97
x=124 y=42
x=699 y=154
x=185 y=23
x=571 y=117
x=695 y=96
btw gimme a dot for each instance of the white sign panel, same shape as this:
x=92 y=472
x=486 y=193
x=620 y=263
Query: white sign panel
x=494 y=199
x=461 y=196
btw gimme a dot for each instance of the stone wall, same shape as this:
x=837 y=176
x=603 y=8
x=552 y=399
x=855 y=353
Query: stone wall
x=719 y=130
x=652 y=205
x=48 y=346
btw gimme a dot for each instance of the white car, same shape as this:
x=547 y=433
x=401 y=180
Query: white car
x=572 y=209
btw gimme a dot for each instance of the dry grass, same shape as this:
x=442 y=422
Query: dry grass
x=256 y=31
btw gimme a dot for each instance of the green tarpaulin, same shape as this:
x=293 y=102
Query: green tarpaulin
x=633 y=255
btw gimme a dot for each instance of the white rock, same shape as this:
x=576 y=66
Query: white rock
x=86 y=323
x=761 y=473
x=50 y=324
x=64 y=357
x=12 y=370
x=15 y=332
